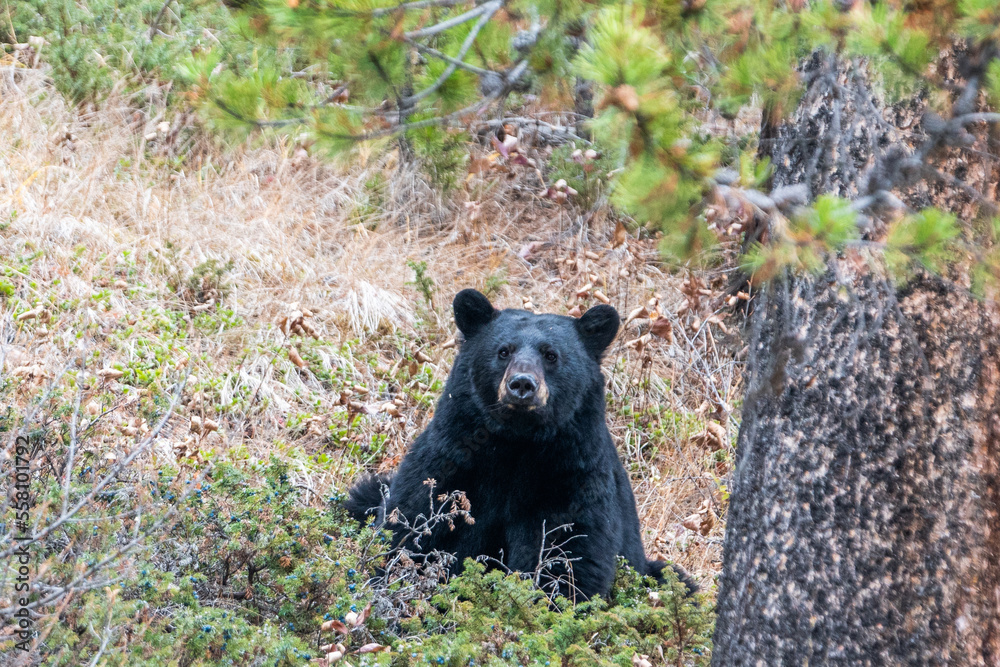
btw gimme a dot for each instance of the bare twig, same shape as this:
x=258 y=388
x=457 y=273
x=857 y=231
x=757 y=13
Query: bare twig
x=490 y=7
x=154 y=26
x=444 y=56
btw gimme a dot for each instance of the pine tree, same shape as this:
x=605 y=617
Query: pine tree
x=863 y=519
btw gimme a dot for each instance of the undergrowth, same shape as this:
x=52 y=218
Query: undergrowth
x=234 y=563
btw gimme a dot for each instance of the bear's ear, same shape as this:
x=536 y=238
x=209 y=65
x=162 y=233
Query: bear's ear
x=473 y=311
x=597 y=328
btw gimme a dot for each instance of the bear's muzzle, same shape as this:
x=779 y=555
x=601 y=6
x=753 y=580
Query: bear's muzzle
x=523 y=384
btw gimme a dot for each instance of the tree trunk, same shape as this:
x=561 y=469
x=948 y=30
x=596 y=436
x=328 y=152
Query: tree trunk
x=864 y=520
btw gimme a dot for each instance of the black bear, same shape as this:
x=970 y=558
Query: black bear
x=521 y=431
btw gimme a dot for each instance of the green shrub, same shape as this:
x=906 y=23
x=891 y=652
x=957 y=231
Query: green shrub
x=442 y=154
x=489 y=617
x=97 y=45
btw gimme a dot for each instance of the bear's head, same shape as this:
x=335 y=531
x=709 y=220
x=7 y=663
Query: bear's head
x=532 y=372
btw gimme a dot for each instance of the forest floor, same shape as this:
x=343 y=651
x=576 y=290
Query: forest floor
x=309 y=304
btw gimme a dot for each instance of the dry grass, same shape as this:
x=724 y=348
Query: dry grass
x=109 y=222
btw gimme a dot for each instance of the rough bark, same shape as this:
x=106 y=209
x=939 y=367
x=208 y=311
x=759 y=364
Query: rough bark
x=864 y=520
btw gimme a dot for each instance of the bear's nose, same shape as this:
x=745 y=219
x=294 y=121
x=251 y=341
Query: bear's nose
x=522 y=386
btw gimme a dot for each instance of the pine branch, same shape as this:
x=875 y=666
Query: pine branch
x=406 y=6
x=476 y=108
x=445 y=57
x=509 y=80
x=547 y=131
x=983 y=117
x=452 y=22
x=489 y=9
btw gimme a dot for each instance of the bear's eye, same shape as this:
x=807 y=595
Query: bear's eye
x=551 y=356
x=503 y=353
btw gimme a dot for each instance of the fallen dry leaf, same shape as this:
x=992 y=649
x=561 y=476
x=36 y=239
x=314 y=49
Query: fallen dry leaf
x=528 y=249
x=638 y=313
x=639 y=343
x=296 y=322
x=702 y=521
x=717 y=321
x=713 y=437
x=202 y=307
x=621 y=234
x=661 y=328
x=40 y=313
x=372 y=648
x=335 y=625
x=295 y=358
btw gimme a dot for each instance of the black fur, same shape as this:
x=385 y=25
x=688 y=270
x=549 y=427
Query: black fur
x=366 y=496
x=547 y=462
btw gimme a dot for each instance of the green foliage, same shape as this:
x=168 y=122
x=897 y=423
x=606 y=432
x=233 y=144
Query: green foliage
x=753 y=172
x=767 y=72
x=813 y=234
x=443 y=154
x=98 y=45
x=238 y=532
x=421 y=71
x=993 y=82
x=621 y=51
x=494 y=282
x=830 y=222
x=488 y=617
x=337 y=74
x=231 y=563
x=208 y=280
x=980 y=19
x=423 y=282
x=644 y=116
x=901 y=53
x=925 y=239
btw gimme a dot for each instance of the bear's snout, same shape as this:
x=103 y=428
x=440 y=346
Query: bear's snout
x=523 y=385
